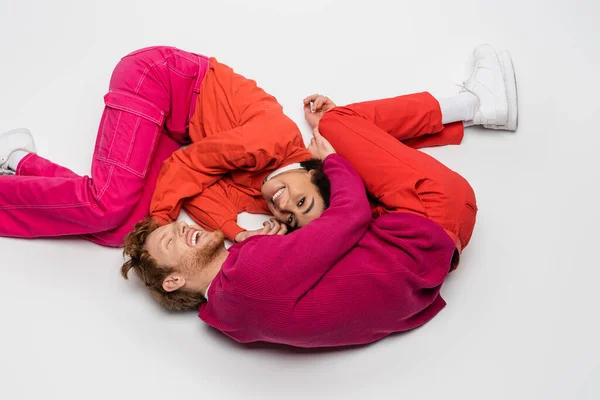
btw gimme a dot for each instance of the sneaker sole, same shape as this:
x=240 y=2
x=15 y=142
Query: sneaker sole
x=510 y=81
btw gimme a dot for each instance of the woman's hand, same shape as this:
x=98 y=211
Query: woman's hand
x=313 y=112
x=273 y=228
x=319 y=146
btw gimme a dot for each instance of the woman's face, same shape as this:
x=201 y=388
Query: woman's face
x=292 y=198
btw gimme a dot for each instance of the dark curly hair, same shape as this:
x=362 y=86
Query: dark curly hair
x=319 y=179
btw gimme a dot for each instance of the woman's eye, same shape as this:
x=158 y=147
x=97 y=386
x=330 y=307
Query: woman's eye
x=301 y=202
x=290 y=219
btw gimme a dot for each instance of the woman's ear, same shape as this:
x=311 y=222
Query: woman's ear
x=173 y=282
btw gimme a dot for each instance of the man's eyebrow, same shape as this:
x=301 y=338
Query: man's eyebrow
x=312 y=204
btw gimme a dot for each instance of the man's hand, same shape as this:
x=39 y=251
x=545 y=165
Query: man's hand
x=273 y=228
x=319 y=146
x=320 y=105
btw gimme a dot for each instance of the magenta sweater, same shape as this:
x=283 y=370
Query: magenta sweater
x=341 y=280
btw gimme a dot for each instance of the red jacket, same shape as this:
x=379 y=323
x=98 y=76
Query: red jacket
x=239 y=135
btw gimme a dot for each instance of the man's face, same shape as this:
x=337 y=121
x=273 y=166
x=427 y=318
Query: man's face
x=183 y=247
x=292 y=198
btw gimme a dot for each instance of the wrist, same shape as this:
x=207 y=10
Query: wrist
x=327 y=156
x=240 y=236
x=231 y=229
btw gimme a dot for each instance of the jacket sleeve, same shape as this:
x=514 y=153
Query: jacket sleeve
x=292 y=264
x=217 y=208
x=254 y=146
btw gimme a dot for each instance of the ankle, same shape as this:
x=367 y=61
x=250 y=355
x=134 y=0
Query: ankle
x=462 y=107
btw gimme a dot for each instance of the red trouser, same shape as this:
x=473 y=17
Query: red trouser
x=379 y=138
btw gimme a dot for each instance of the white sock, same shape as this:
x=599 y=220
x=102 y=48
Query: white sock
x=15 y=158
x=461 y=107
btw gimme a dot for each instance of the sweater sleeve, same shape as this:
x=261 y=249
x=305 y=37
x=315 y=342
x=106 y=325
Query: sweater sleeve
x=292 y=264
x=254 y=146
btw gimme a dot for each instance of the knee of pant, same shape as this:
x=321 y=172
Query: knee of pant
x=333 y=124
x=336 y=114
x=459 y=187
x=146 y=49
x=469 y=193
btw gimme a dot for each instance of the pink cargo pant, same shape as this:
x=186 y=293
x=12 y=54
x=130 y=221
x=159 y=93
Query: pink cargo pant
x=151 y=98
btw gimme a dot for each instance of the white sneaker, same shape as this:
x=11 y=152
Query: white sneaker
x=487 y=83
x=18 y=139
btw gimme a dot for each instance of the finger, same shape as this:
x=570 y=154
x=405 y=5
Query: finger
x=266 y=228
x=318 y=103
x=283 y=230
x=276 y=227
x=317 y=135
x=307 y=109
x=327 y=104
x=310 y=98
x=275 y=223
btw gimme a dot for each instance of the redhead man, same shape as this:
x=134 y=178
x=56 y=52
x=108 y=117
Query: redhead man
x=340 y=280
x=344 y=278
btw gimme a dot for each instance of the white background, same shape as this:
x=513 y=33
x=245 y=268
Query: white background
x=522 y=314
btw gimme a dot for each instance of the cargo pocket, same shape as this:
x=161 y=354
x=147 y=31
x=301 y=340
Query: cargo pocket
x=129 y=132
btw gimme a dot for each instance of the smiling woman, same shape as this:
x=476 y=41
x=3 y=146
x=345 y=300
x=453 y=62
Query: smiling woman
x=298 y=195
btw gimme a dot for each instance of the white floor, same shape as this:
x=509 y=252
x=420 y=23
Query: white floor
x=522 y=318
